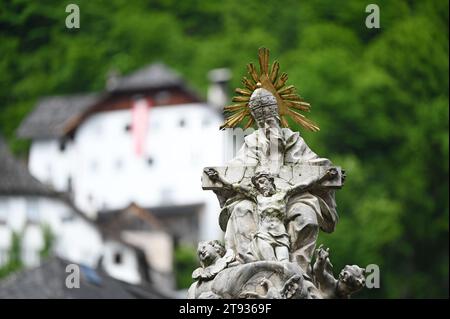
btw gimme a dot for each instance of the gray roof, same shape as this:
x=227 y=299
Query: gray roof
x=52 y=114
x=15 y=178
x=47 y=281
x=153 y=76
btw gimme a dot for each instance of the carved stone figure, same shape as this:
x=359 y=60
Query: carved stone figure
x=257 y=280
x=289 y=289
x=271 y=147
x=350 y=280
x=271 y=240
x=275 y=195
x=213 y=258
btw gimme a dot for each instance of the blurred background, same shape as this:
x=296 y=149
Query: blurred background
x=83 y=179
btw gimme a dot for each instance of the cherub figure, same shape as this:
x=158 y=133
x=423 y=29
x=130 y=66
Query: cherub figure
x=350 y=280
x=271 y=241
x=213 y=258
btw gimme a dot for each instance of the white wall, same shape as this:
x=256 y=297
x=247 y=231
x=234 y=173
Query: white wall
x=32 y=245
x=75 y=239
x=178 y=154
x=48 y=211
x=156 y=245
x=49 y=164
x=5 y=243
x=127 y=269
x=79 y=242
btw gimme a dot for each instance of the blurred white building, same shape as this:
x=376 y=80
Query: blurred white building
x=27 y=207
x=30 y=211
x=144 y=141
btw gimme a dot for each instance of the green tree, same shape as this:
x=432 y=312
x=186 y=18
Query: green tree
x=380 y=97
x=14 y=259
x=185 y=261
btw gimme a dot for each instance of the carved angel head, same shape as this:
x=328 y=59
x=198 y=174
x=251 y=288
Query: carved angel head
x=351 y=279
x=209 y=252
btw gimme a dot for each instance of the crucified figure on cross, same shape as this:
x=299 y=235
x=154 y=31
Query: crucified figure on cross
x=271 y=240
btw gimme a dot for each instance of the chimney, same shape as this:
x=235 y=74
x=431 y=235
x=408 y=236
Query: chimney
x=112 y=79
x=218 y=88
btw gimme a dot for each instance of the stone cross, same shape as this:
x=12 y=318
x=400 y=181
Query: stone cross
x=289 y=175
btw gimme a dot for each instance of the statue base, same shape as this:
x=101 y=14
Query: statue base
x=257 y=280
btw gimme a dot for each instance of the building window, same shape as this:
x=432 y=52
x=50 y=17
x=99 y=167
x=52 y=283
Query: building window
x=206 y=122
x=166 y=195
x=182 y=123
x=3 y=209
x=118 y=164
x=117 y=258
x=127 y=128
x=32 y=210
x=62 y=145
x=150 y=161
x=94 y=166
x=4 y=206
x=68 y=218
x=162 y=97
x=154 y=125
x=69 y=184
x=49 y=177
x=98 y=129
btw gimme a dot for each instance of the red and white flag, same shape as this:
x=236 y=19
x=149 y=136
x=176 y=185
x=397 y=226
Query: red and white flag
x=139 y=124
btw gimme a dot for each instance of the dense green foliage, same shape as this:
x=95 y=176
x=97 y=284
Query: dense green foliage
x=49 y=240
x=15 y=262
x=380 y=97
x=14 y=257
x=185 y=261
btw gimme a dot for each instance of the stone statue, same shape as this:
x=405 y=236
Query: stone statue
x=289 y=289
x=213 y=258
x=351 y=278
x=275 y=195
x=271 y=240
x=307 y=211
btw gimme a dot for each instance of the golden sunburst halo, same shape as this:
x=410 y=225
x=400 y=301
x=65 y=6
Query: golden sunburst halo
x=290 y=104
